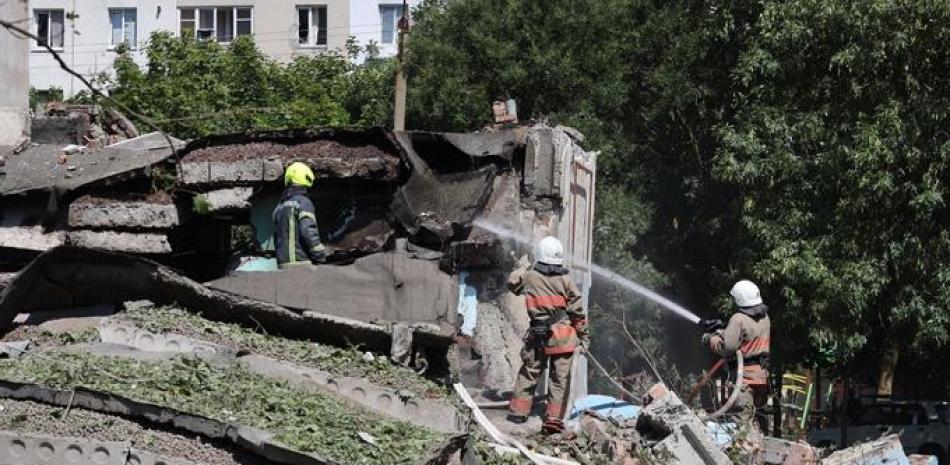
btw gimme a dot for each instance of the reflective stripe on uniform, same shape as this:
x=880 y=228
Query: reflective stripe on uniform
x=563 y=340
x=554 y=410
x=292 y=233
x=520 y=405
x=756 y=346
x=754 y=375
x=307 y=215
x=547 y=301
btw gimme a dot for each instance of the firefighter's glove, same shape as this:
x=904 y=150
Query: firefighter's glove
x=711 y=325
x=711 y=339
x=584 y=343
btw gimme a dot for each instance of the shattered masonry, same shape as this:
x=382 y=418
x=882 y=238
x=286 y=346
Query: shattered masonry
x=396 y=211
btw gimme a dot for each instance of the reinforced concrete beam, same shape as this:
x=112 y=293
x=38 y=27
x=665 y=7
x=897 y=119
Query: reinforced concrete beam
x=145 y=243
x=107 y=213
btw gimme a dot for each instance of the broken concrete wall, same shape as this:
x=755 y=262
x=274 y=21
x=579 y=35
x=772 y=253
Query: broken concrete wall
x=553 y=195
x=15 y=91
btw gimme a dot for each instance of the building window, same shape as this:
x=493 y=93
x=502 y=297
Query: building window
x=312 y=25
x=123 y=26
x=221 y=23
x=50 y=25
x=389 y=16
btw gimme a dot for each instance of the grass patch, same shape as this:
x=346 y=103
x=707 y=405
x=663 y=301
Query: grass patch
x=305 y=420
x=337 y=361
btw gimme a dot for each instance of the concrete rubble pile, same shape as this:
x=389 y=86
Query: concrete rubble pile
x=91 y=126
x=84 y=229
x=392 y=208
x=667 y=431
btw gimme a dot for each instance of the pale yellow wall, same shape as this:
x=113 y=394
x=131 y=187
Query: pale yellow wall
x=275 y=24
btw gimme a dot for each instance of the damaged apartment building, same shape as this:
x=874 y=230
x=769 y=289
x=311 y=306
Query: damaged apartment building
x=411 y=272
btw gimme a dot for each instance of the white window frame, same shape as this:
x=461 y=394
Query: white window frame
x=135 y=39
x=396 y=18
x=49 y=30
x=214 y=20
x=314 y=31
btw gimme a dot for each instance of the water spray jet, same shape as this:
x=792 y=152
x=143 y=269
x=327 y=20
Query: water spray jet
x=599 y=271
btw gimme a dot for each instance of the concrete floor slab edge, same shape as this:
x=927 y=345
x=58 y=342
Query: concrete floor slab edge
x=24 y=448
x=378 y=399
x=255 y=441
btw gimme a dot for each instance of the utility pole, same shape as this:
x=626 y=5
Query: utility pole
x=399 y=113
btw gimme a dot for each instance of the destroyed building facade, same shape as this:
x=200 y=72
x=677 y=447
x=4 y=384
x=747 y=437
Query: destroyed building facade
x=422 y=229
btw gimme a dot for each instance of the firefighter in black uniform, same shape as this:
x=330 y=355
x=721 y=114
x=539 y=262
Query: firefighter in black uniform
x=296 y=236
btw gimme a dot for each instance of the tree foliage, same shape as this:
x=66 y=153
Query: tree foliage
x=840 y=150
x=195 y=89
x=802 y=144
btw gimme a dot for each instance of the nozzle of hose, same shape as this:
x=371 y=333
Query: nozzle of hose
x=711 y=325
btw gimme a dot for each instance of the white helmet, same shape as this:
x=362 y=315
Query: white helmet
x=549 y=251
x=746 y=294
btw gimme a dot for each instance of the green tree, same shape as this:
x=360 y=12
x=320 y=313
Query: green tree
x=589 y=65
x=200 y=88
x=841 y=153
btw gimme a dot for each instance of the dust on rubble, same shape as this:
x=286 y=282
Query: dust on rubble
x=39 y=418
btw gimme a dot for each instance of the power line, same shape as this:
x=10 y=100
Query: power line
x=148 y=121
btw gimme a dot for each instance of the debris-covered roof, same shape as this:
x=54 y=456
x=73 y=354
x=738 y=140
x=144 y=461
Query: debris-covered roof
x=46 y=167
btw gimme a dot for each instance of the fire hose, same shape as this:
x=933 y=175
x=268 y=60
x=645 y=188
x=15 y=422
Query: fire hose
x=740 y=369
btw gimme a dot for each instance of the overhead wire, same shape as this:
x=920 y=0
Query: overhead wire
x=148 y=121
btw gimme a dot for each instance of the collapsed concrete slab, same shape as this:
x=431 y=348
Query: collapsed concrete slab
x=221 y=200
x=432 y=206
x=24 y=448
x=34 y=238
x=132 y=212
x=47 y=167
x=70 y=277
x=420 y=412
x=682 y=436
x=884 y=451
x=140 y=243
x=260 y=157
x=777 y=451
x=382 y=287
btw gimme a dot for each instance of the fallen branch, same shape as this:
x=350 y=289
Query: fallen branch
x=631 y=397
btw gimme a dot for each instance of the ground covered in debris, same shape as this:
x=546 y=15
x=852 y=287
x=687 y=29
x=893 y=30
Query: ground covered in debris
x=306 y=420
x=32 y=417
x=350 y=362
x=276 y=151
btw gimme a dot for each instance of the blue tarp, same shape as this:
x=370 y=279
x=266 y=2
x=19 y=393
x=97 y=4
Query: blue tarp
x=605 y=406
